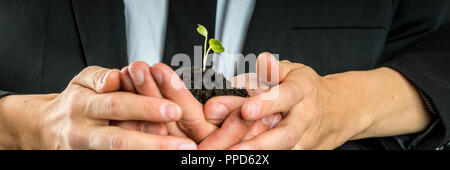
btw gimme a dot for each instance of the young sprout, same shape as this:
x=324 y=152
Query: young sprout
x=214 y=44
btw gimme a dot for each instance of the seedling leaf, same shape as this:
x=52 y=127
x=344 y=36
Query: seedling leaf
x=216 y=46
x=202 y=30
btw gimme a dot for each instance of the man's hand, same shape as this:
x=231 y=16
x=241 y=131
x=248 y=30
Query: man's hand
x=225 y=111
x=80 y=117
x=162 y=82
x=325 y=112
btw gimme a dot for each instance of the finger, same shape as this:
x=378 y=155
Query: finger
x=262 y=125
x=258 y=127
x=99 y=79
x=280 y=98
x=284 y=136
x=149 y=88
x=276 y=119
x=193 y=121
x=232 y=131
x=174 y=130
x=268 y=69
x=119 y=139
x=217 y=109
x=272 y=71
x=140 y=126
x=143 y=80
x=250 y=82
x=128 y=106
x=126 y=83
x=279 y=138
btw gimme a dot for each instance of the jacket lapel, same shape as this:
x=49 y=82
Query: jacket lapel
x=101 y=27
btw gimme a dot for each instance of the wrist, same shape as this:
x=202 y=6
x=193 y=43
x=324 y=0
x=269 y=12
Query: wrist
x=7 y=138
x=20 y=115
x=347 y=102
x=379 y=102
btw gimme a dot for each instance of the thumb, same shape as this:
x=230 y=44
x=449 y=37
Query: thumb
x=101 y=80
x=272 y=71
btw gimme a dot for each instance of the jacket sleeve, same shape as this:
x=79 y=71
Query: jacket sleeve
x=421 y=52
x=5 y=93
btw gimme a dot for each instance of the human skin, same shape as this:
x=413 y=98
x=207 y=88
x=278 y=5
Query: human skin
x=162 y=82
x=80 y=117
x=337 y=108
x=323 y=112
x=35 y=121
x=319 y=112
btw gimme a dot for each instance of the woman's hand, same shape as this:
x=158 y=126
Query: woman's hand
x=325 y=112
x=225 y=111
x=162 y=82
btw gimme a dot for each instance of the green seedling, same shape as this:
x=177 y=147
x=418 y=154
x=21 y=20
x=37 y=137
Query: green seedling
x=214 y=45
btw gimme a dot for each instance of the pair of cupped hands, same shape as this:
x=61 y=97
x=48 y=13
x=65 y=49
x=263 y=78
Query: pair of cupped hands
x=218 y=124
x=149 y=107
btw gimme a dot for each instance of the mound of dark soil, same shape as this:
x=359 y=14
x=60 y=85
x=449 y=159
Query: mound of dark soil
x=208 y=84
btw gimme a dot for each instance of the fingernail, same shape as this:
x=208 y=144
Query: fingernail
x=138 y=78
x=253 y=110
x=275 y=121
x=171 y=111
x=220 y=111
x=267 y=120
x=157 y=76
x=187 y=146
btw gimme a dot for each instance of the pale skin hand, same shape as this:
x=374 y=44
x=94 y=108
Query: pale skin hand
x=79 y=117
x=234 y=128
x=325 y=112
x=375 y=124
x=162 y=82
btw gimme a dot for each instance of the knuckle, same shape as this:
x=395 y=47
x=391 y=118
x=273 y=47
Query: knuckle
x=89 y=76
x=91 y=68
x=95 y=72
x=161 y=130
x=163 y=143
x=119 y=141
x=292 y=92
x=308 y=86
x=96 y=76
x=285 y=61
x=113 y=105
x=149 y=110
x=304 y=68
x=73 y=109
x=299 y=65
x=290 y=137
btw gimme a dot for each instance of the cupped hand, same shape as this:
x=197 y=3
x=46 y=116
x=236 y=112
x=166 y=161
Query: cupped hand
x=300 y=94
x=162 y=82
x=80 y=117
x=225 y=111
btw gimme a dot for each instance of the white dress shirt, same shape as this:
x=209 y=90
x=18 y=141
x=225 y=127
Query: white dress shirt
x=146 y=22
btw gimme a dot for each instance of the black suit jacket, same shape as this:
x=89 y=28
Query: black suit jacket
x=45 y=43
